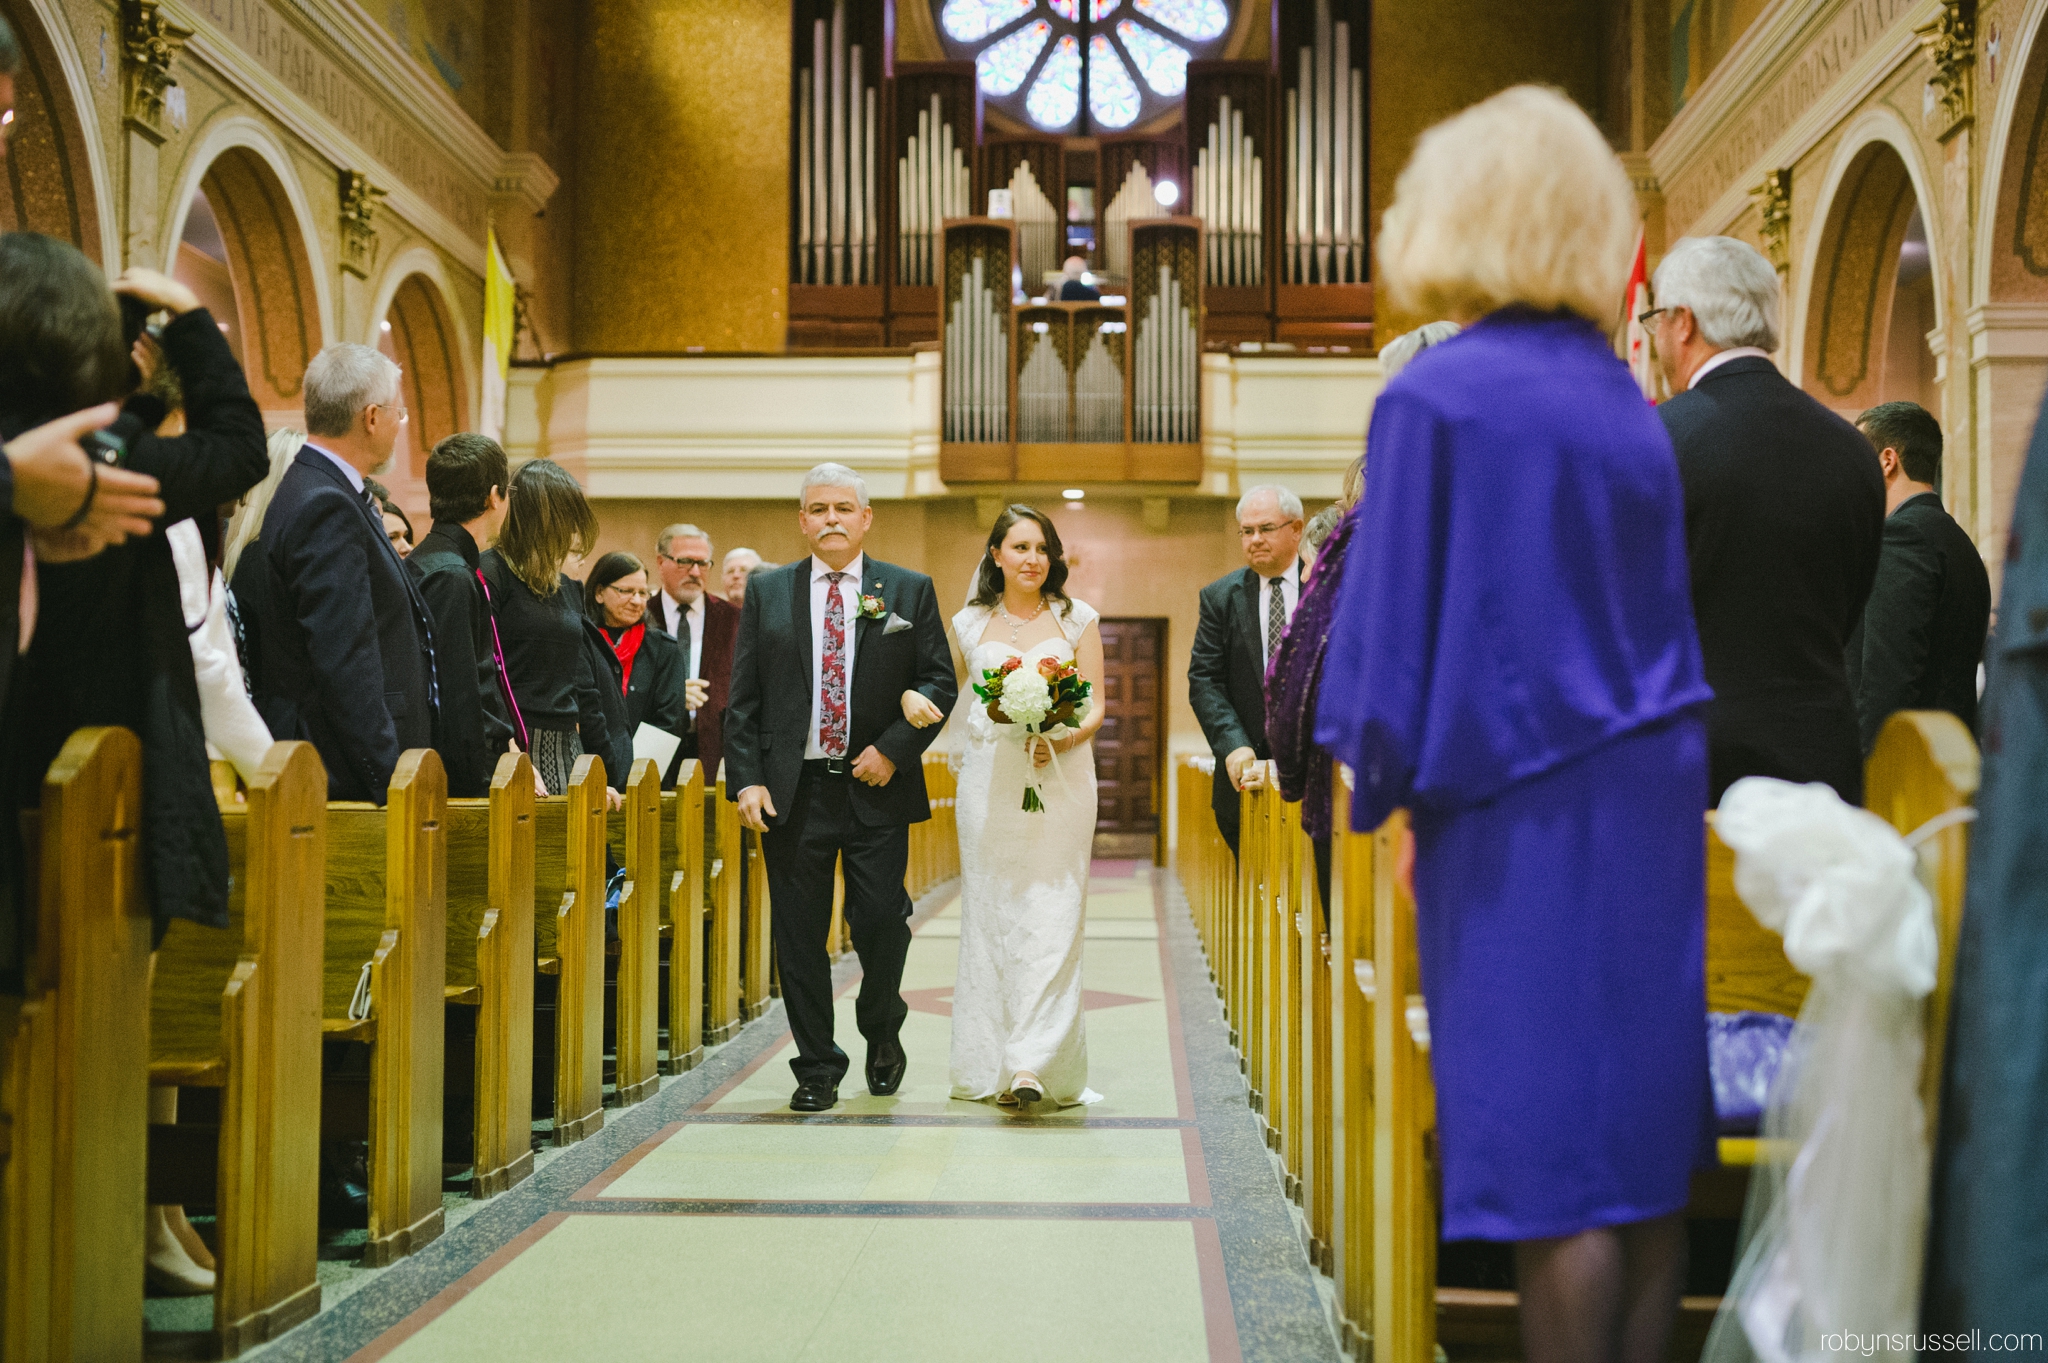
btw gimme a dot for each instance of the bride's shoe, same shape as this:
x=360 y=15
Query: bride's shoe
x=1006 y=1099
x=1026 y=1087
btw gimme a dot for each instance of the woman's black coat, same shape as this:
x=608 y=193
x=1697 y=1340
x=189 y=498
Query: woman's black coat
x=654 y=693
x=111 y=645
x=552 y=658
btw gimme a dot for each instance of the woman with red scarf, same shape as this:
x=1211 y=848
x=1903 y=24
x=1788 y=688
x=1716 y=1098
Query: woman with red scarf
x=647 y=664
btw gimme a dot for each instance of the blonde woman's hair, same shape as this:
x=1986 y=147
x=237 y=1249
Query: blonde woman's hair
x=247 y=522
x=1518 y=199
x=546 y=520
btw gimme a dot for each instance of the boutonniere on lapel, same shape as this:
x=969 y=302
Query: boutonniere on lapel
x=872 y=607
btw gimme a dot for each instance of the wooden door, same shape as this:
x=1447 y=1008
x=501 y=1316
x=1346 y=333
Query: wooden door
x=1130 y=751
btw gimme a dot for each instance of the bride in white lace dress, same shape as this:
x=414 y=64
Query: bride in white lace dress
x=1017 y=1033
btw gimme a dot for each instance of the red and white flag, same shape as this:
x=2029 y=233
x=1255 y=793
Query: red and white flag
x=1636 y=304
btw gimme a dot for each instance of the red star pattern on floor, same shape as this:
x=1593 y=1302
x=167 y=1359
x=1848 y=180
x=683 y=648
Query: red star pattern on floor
x=940 y=1000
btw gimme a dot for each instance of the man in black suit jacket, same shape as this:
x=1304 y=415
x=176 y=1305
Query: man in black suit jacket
x=823 y=763
x=1243 y=616
x=466 y=480
x=344 y=648
x=1922 y=634
x=706 y=625
x=1784 y=509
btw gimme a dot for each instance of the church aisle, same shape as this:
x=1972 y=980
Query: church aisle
x=711 y=1223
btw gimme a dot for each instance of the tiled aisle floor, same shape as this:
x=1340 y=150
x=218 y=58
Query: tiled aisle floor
x=711 y=1223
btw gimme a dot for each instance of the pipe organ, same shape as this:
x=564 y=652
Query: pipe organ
x=974 y=332
x=1044 y=405
x=1135 y=199
x=837 y=223
x=1040 y=228
x=1229 y=198
x=1099 y=386
x=933 y=183
x=1166 y=351
x=1325 y=194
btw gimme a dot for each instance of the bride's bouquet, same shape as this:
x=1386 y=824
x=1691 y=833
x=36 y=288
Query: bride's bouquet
x=1040 y=698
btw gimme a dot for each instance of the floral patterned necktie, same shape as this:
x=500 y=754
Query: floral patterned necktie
x=832 y=711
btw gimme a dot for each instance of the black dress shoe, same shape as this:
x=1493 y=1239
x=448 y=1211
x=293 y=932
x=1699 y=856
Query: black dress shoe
x=886 y=1063
x=814 y=1095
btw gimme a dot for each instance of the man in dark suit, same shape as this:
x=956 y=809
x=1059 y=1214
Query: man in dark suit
x=824 y=765
x=1784 y=508
x=706 y=625
x=466 y=480
x=1922 y=634
x=345 y=651
x=1243 y=616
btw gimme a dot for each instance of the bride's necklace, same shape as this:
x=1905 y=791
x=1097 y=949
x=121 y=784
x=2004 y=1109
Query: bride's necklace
x=1016 y=624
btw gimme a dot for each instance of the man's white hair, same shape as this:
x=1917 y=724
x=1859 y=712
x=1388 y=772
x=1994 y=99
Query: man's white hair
x=1290 y=505
x=680 y=531
x=342 y=380
x=833 y=475
x=1731 y=290
x=734 y=555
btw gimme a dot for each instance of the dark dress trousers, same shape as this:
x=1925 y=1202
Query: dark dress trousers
x=822 y=815
x=1227 y=683
x=343 y=652
x=1784 y=509
x=475 y=725
x=1922 y=634
x=111 y=645
x=714 y=665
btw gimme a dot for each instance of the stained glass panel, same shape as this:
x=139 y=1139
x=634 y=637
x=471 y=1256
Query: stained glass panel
x=1197 y=19
x=971 y=20
x=1066 y=9
x=1112 y=96
x=1102 y=9
x=1055 y=96
x=1161 y=61
x=1002 y=66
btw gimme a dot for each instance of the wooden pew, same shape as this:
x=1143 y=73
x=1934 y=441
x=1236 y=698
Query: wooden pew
x=387 y=910
x=74 y=1050
x=682 y=872
x=490 y=968
x=728 y=866
x=757 y=951
x=239 y=1011
x=568 y=942
x=636 y=835
x=1354 y=990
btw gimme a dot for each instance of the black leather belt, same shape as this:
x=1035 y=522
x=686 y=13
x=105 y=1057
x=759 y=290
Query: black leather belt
x=829 y=766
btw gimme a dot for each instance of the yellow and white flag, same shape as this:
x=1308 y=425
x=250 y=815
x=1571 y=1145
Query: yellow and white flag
x=500 y=299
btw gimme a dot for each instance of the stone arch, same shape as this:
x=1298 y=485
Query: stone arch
x=240 y=183
x=55 y=177
x=418 y=325
x=1872 y=291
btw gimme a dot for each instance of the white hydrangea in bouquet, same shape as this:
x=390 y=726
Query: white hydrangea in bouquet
x=1038 y=698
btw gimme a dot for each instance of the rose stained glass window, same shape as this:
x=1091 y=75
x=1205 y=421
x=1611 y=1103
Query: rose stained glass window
x=1084 y=66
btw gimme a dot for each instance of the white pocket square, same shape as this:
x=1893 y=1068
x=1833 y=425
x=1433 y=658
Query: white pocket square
x=896 y=624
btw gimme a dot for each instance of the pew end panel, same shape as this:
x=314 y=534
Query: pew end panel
x=568 y=934
x=637 y=1003
x=722 y=988
x=684 y=866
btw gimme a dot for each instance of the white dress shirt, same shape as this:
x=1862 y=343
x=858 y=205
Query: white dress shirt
x=849 y=604
x=355 y=479
x=694 y=613
x=1289 y=584
x=1741 y=352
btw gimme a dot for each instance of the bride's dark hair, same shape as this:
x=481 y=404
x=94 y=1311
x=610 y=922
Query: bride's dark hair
x=988 y=580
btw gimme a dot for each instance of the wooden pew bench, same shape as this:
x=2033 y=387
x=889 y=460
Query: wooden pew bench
x=633 y=1003
x=239 y=1012
x=488 y=1115
x=568 y=943
x=683 y=879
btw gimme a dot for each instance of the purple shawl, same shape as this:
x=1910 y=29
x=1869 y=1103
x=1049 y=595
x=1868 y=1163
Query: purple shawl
x=1295 y=678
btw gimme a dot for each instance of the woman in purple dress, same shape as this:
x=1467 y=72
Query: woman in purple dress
x=1523 y=675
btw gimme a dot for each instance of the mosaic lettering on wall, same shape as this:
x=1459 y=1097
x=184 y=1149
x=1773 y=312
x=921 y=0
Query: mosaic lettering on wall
x=1856 y=28
x=286 y=54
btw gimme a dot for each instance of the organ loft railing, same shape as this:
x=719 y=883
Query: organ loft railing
x=1039 y=390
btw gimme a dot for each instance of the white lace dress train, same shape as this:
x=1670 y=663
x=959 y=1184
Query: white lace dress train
x=1023 y=892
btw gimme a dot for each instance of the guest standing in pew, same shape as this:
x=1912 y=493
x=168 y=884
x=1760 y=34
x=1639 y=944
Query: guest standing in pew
x=1922 y=634
x=397 y=525
x=1243 y=617
x=650 y=662
x=739 y=565
x=1522 y=674
x=1294 y=680
x=1784 y=510
x=707 y=626
x=557 y=684
x=466 y=478
x=342 y=649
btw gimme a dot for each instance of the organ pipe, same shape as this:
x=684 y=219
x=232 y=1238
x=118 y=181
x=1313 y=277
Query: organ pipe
x=1043 y=409
x=1325 y=201
x=1099 y=391
x=1038 y=229
x=835 y=160
x=1168 y=361
x=932 y=184
x=1229 y=183
x=976 y=359
x=1134 y=199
